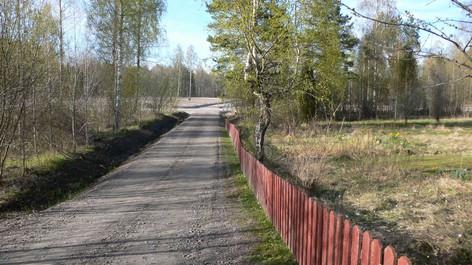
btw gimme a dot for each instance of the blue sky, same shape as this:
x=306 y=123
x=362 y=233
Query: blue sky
x=186 y=21
x=428 y=10
x=186 y=24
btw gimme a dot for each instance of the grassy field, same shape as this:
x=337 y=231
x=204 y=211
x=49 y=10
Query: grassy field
x=270 y=250
x=411 y=184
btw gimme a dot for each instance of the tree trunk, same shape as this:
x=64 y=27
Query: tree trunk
x=86 y=92
x=35 y=129
x=74 y=110
x=61 y=50
x=138 y=66
x=190 y=86
x=178 y=80
x=21 y=115
x=395 y=108
x=262 y=125
x=118 y=63
x=50 y=110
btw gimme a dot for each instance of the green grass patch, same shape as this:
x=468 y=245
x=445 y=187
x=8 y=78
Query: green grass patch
x=399 y=123
x=45 y=161
x=271 y=250
x=437 y=162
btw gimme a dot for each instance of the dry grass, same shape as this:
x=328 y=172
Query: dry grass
x=411 y=184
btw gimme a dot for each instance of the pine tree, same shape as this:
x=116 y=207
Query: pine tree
x=327 y=42
x=406 y=71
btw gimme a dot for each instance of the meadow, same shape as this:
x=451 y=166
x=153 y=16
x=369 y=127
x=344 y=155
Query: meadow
x=409 y=183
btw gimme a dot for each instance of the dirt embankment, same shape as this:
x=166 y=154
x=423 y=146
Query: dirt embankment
x=42 y=188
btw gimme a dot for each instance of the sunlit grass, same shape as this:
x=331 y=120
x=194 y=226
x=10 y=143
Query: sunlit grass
x=389 y=177
x=44 y=161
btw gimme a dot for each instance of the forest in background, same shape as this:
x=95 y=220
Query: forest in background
x=293 y=61
x=59 y=89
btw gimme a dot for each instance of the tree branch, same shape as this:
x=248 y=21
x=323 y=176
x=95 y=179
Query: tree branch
x=424 y=27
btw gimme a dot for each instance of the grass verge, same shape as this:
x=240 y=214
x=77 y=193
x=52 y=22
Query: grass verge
x=63 y=176
x=271 y=250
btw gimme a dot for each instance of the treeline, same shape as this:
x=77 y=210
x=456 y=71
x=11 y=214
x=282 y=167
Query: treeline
x=392 y=76
x=59 y=88
x=297 y=60
x=192 y=79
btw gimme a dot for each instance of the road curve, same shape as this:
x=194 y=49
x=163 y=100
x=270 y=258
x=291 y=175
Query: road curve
x=166 y=206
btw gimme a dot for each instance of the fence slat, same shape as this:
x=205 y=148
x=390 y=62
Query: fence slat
x=271 y=197
x=325 y=244
x=311 y=218
x=346 y=243
x=376 y=252
x=331 y=237
x=404 y=261
x=280 y=208
x=316 y=240
x=355 y=245
x=389 y=256
x=295 y=222
x=290 y=217
x=301 y=216
x=365 y=252
x=276 y=204
x=281 y=203
x=305 y=228
x=319 y=234
x=307 y=234
x=338 y=250
x=303 y=231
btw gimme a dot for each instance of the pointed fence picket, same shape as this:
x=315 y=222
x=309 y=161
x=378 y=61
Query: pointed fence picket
x=315 y=234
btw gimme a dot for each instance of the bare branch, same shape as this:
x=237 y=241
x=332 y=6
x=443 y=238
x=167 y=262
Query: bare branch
x=463 y=6
x=426 y=27
x=449 y=82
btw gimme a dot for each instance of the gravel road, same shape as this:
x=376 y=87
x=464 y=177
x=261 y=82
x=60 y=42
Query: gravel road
x=166 y=206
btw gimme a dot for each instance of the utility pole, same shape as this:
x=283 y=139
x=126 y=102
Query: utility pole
x=190 y=86
x=178 y=80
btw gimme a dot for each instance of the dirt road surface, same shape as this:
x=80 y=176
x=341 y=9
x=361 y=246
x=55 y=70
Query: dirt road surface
x=165 y=206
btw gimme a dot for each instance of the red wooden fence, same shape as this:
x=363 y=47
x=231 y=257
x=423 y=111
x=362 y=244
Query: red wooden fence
x=314 y=234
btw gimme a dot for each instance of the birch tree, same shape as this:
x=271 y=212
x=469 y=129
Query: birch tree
x=145 y=17
x=261 y=29
x=191 y=59
x=106 y=20
x=178 y=64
